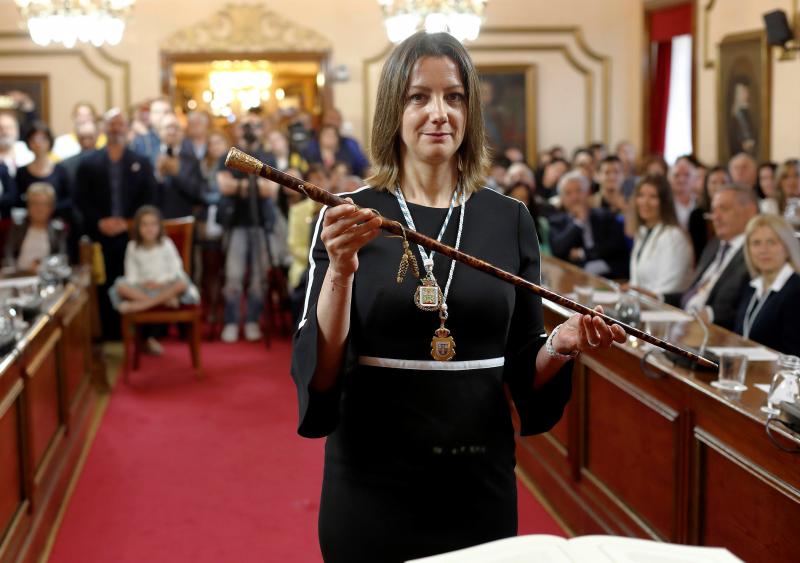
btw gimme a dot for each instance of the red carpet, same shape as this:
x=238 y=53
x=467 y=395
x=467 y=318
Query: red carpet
x=206 y=471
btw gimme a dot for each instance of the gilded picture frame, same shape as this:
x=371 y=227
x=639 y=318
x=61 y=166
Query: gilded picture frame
x=744 y=73
x=508 y=94
x=37 y=86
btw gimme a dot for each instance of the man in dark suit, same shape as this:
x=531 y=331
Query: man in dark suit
x=590 y=238
x=721 y=270
x=8 y=192
x=113 y=183
x=180 y=181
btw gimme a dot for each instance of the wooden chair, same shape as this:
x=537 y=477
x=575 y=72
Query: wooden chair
x=181 y=231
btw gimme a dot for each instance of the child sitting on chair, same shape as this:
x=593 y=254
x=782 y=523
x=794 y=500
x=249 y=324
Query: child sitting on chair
x=154 y=274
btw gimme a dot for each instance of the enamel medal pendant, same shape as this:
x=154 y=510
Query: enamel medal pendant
x=443 y=346
x=428 y=296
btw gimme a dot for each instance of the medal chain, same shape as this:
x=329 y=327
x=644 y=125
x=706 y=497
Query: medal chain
x=428 y=259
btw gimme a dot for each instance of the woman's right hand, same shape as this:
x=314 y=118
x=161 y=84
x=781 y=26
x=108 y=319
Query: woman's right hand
x=345 y=229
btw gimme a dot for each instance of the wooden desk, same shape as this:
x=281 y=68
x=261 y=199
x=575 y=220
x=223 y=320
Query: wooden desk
x=46 y=398
x=666 y=457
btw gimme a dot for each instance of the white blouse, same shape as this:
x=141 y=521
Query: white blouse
x=161 y=263
x=663 y=262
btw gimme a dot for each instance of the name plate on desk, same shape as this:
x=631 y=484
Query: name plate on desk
x=664 y=316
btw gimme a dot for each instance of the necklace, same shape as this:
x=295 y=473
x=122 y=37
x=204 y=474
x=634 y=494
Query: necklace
x=428 y=296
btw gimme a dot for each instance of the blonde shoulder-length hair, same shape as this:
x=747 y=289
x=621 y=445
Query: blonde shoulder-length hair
x=473 y=155
x=785 y=233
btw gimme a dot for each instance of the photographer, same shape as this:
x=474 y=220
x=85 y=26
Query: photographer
x=247 y=211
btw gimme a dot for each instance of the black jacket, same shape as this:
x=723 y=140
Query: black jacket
x=8 y=197
x=178 y=195
x=776 y=325
x=94 y=187
x=609 y=240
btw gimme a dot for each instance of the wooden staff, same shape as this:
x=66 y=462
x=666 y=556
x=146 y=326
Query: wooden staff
x=243 y=162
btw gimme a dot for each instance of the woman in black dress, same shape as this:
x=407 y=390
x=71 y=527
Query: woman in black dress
x=420 y=452
x=39 y=139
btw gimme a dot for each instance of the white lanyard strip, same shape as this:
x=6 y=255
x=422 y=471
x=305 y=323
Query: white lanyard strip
x=752 y=312
x=428 y=259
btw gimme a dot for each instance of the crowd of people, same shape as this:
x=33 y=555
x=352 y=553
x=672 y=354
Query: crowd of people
x=709 y=238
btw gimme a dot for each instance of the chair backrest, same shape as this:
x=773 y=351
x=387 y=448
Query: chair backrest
x=181 y=231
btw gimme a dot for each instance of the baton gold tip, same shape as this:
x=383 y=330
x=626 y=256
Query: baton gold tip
x=243 y=162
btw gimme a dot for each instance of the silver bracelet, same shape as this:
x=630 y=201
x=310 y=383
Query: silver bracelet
x=551 y=351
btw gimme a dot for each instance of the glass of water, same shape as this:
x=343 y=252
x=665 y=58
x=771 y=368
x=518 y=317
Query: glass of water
x=732 y=372
x=784 y=386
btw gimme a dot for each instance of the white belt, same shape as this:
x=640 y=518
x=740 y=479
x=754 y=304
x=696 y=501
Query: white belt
x=430 y=365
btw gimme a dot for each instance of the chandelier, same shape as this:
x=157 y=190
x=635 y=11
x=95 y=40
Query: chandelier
x=460 y=18
x=69 y=21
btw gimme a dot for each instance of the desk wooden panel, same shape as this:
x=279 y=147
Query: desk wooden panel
x=666 y=456
x=45 y=400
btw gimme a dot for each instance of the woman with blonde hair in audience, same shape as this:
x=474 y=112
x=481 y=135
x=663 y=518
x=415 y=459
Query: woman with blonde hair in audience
x=788 y=182
x=770 y=304
x=662 y=258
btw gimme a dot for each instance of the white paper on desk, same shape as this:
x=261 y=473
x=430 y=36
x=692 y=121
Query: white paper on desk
x=664 y=316
x=599 y=297
x=753 y=353
x=763 y=386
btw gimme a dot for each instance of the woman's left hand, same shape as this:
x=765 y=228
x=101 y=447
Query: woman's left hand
x=584 y=333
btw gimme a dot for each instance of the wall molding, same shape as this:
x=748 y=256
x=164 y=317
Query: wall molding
x=245 y=28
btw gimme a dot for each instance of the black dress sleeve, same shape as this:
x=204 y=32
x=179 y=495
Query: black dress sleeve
x=319 y=411
x=539 y=409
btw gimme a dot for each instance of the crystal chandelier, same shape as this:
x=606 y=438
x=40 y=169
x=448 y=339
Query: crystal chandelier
x=69 y=21
x=461 y=18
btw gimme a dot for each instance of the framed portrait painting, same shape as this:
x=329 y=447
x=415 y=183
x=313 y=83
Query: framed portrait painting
x=743 y=96
x=508 y=94
x=35 y=86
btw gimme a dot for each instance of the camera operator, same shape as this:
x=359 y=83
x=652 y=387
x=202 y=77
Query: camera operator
x=247 y=211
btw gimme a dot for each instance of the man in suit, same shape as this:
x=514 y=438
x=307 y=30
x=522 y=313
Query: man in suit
x=8 y=192
x=113 y=183
x=721 y=271
x=590 y=238
x=180 y=181
x=147 y=144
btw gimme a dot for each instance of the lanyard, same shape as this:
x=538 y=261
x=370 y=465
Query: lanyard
x=753 y=309
x=427 y=260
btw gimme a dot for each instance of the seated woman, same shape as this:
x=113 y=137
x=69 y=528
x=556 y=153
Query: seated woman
x=662 y=258
x=788 y=182
x=715 y=178
x=154 y=272
x=37 y=237
x=770 y=305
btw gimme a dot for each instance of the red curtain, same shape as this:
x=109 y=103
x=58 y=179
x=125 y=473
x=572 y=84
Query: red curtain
x=659 y=97
x=664 y=24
